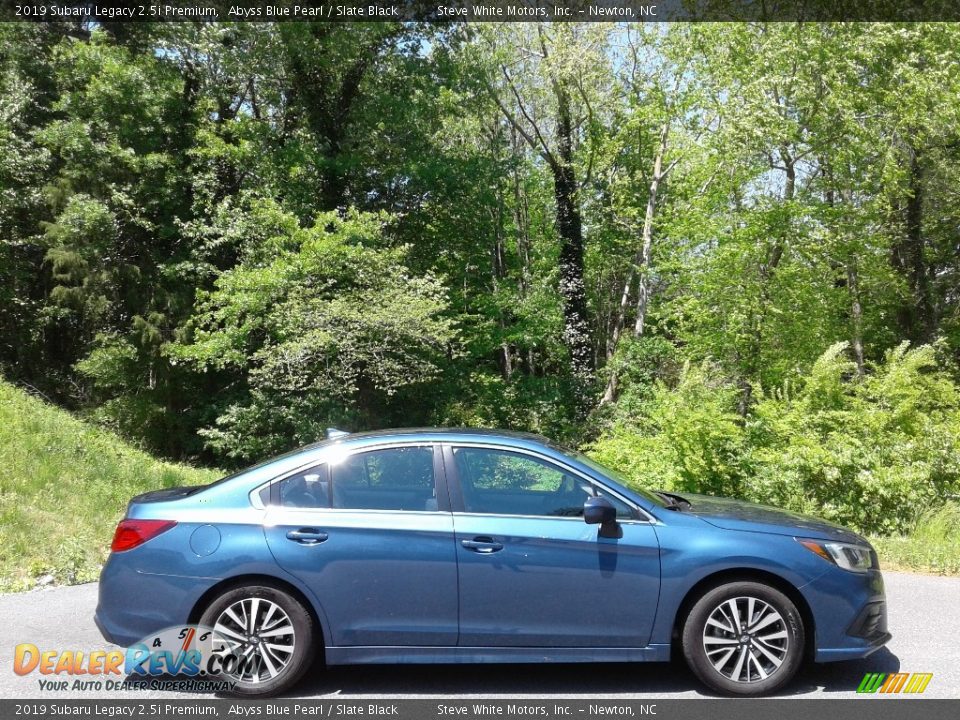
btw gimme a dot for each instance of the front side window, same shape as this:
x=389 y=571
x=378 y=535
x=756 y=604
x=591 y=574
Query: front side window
x=501 y=482
x=389 y=479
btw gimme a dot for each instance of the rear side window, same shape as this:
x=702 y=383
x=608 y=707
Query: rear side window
x=307 y=489
x=389 y=479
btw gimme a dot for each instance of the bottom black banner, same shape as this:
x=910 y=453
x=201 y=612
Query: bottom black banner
x=874 y=708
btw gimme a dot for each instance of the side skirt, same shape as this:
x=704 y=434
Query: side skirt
x=403 y=655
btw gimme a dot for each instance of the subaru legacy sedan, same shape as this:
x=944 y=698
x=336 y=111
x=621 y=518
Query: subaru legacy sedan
x=468 y=546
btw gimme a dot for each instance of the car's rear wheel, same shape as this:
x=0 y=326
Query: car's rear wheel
x=744 y=638
x=264 y=638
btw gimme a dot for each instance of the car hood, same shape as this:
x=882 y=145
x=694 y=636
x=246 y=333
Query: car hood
x=739 y=515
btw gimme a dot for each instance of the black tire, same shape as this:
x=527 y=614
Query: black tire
x=755 y=644
x=304 y=632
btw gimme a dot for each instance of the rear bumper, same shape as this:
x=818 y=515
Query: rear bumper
x=133 y=605
x=128 y=629
x=107 y=634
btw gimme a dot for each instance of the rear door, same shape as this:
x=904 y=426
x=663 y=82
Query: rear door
x=532 y=572
x=371 y=534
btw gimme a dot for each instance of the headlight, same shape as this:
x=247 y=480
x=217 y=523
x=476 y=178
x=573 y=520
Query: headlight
x=855 y=558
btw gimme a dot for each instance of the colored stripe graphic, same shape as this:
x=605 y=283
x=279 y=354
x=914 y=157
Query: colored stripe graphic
x=894 y=683
x=913 y=683
x=918 y=682
x=871 y=682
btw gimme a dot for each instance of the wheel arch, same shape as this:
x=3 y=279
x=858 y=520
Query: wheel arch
x=724 y=577
x=259 y=579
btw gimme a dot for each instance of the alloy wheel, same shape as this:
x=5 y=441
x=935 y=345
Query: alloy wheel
x=745 y=639
x=259 y=634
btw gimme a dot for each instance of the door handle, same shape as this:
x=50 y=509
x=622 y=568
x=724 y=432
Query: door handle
x=307 y=536
x=484 y=545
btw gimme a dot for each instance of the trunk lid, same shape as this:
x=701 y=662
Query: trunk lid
x=165 y=495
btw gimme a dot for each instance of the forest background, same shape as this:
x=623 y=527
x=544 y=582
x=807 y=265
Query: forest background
x=720 y=258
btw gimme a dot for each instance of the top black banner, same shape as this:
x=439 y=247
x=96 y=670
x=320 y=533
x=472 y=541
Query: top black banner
x=101 y=11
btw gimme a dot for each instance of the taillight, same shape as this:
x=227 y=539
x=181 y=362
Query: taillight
x=132 y=533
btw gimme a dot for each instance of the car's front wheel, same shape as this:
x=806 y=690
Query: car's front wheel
x=263 y=637
x=744 y=638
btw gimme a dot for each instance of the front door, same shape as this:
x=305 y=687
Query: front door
x=369 y=537
x=532 y=572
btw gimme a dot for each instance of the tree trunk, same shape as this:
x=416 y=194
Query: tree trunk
x=641 y=261
x=328 y=100
x=521 y=218
x=751 y=359
x=916 y=319
x=856 y=314
x=775 y=254
x=573 y=294
x=499 y=271
x=643 y=287
x=847 y=272
x=576 y=332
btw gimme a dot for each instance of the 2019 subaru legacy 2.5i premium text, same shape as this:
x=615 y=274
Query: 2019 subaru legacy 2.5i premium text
x=463 y=546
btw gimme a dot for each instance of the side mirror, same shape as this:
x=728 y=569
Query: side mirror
x=600 y=511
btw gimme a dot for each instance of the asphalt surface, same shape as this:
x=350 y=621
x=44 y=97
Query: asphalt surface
x=924 y=617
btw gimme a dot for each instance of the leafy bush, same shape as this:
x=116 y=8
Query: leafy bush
x=933 y=543
x=532 y=404
x=318 y=325
x=870 y=452
x=686 y=437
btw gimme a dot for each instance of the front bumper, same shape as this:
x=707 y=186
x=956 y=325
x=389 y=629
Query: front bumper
x=853 y=653
x=850 y=614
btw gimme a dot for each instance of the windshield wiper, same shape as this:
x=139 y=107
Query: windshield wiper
x=674 y=502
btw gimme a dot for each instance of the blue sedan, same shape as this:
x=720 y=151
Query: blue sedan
x=463 y=546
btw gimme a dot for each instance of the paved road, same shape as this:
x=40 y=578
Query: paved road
x=924 y=620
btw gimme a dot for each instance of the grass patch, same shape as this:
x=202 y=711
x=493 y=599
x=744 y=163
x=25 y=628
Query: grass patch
x=933 y=546
x=64 y=485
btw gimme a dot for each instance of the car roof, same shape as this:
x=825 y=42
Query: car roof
x=448 y=433
x=439 y=434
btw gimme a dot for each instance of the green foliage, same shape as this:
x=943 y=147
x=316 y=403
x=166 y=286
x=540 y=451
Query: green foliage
x=531 y=404
x=316 y=320
x=640 y=363
x=930 y=545
x=684 y=437
x=64 y=487
x=869 y=452
x=84 y=233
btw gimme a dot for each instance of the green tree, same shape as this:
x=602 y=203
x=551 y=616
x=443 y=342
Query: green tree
x=317 y=325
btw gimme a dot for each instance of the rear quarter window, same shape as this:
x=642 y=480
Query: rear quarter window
x=307 y=489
